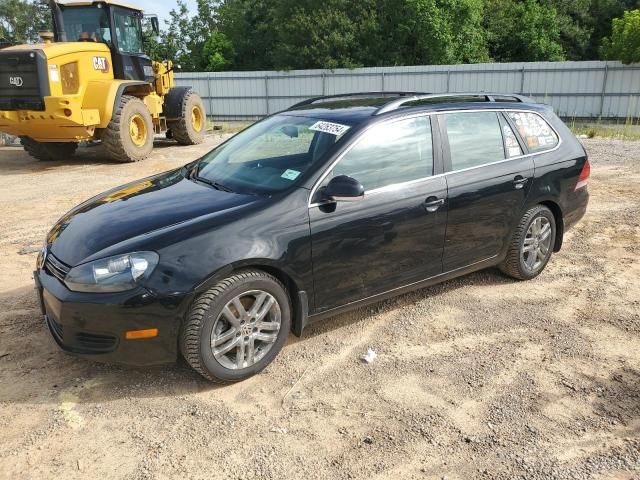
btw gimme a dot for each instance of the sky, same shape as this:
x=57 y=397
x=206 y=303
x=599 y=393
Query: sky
x=161 y=7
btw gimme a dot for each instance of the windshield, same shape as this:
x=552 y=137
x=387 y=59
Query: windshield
x=270 y=155
x=86 y=24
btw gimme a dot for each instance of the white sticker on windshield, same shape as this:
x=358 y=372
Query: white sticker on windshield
x=290 y=174
x=329 y=127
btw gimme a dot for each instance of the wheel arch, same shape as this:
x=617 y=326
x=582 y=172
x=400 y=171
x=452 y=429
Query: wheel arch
x=294 y=285
x=559 y=218
x=105 y=96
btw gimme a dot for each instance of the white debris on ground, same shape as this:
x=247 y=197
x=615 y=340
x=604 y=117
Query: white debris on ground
x=369 y=357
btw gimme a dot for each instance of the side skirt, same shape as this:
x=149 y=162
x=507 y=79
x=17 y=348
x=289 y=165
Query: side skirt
x=474 y=267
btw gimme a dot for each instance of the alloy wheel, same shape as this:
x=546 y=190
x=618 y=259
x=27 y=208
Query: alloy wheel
x=537 y=244
x=246 y=329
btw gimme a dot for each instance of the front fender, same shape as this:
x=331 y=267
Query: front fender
x=103 y=95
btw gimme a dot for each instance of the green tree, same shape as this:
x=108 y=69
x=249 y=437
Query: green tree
x=251 y=28
x=576 y=27
x=316 y=34
x=184 y=37
x=624 y=43
x=602 y=13
x=527 y=31
x=218 y=52
x=20 y=21
x=415 y=32
x=340 y=33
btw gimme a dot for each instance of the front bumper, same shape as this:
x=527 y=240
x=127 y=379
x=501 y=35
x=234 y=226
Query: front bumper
x=93 y=325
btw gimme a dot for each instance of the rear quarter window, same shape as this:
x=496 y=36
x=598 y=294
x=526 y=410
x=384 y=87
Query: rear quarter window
x=535 y=131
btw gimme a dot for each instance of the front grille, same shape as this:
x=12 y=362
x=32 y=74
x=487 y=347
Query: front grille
x=55 y=267
x=94 y=342
x=24 y=80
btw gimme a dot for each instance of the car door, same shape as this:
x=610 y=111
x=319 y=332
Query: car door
x=395 y=235
x=488 y=179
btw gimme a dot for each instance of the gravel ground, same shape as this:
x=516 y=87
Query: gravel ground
x=479 y=377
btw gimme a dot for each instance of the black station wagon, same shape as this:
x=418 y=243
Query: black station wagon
x=337 y=202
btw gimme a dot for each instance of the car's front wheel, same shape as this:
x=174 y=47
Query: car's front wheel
x=531 y=245
x=236 y=328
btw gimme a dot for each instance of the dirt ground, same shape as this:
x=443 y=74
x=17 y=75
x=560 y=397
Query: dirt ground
x=479 y=377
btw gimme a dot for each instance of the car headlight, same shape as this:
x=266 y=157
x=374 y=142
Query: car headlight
x=42 y=256
x=112 y=274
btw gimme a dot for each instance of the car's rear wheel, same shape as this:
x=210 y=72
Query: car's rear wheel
x=236 y=328
x=531 y=245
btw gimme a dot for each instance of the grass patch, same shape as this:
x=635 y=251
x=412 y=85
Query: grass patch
x=629 y=129
x=227 y=127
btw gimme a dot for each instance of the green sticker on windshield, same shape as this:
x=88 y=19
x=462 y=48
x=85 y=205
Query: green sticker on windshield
x=290 y=174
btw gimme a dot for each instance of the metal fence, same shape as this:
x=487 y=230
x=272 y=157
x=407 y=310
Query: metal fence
x=575 y=89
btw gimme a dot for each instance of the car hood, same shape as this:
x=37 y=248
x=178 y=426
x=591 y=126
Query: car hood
x=135 y=209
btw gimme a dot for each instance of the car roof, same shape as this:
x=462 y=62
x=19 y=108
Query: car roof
x=355 y=108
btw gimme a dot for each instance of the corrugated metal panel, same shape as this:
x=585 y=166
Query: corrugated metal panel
x=574 y=89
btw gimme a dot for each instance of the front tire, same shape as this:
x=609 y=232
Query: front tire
x=531 y=245
x=235 y=329
x=129 y=135
x=48 y=152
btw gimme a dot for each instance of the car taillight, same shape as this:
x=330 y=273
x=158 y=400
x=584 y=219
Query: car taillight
x=584 y=176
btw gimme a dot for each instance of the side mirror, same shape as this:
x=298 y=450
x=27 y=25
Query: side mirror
x=154 y=22
x=343 y=189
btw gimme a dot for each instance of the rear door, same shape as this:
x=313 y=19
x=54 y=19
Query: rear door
x=394 y=236
x=488 y=181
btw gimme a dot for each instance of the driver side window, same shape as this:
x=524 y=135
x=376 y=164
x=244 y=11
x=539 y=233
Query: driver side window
x=390 y=153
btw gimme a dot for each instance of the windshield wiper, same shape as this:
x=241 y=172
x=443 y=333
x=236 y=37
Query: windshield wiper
x=216 y=185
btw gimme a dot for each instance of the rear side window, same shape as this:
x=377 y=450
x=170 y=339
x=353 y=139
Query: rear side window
x=475 y=139
x=535 y=131
x=390 y=153
x=511 y=145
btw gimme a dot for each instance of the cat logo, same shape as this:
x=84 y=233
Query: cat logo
x=101 y=63
x=16 y=81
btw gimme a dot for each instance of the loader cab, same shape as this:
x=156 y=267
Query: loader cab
x=117 y=25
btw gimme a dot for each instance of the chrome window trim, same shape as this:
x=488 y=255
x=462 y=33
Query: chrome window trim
x=425 y=114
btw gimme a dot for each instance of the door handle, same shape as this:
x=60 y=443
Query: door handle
x=432 y=204
x=520 y=181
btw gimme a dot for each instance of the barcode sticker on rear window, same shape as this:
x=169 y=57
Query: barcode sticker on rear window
x=329 y=127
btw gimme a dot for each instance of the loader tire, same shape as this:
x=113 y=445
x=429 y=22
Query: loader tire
x=129 y=135
x=190 y=127
x=48 y=152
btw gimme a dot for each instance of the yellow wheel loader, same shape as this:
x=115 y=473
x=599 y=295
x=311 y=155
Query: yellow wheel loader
x=91 y=80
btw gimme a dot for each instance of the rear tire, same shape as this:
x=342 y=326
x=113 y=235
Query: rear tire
x=190 y=128
x=129 y=135
x=49 y=152
x=235 y=329
x=531 y=245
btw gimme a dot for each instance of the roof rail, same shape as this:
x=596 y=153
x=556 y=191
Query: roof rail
x=488 y=97
x=312 y=100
